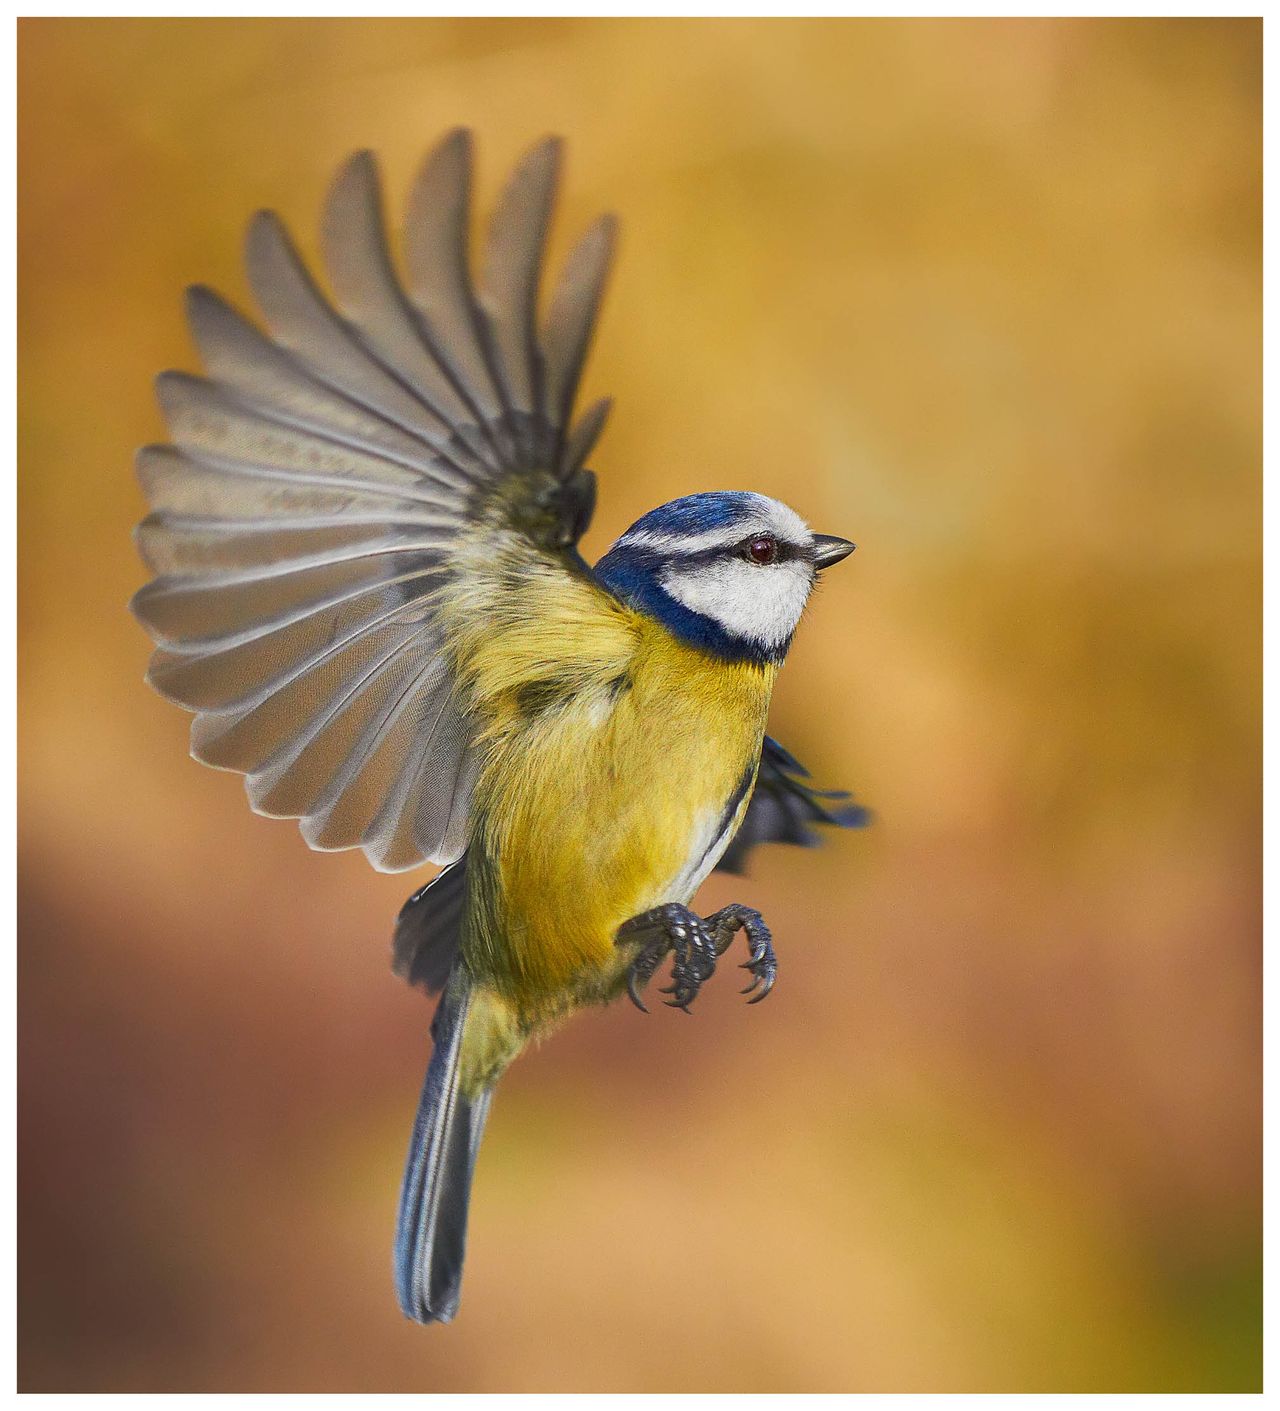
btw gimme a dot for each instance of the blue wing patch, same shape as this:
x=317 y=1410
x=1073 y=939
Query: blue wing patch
x=783 y=809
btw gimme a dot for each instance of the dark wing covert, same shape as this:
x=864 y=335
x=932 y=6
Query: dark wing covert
x=783 y=809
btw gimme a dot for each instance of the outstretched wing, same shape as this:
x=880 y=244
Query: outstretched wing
x=783 y=809
x=348 y=494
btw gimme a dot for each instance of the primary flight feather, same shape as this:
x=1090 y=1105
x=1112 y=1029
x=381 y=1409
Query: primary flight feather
x=368 y=590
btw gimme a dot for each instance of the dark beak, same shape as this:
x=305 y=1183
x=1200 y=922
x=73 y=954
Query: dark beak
x=827 y=549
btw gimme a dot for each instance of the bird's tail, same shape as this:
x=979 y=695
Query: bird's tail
x=431 y=1229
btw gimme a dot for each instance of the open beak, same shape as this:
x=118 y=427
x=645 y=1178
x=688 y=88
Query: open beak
x=827 y=549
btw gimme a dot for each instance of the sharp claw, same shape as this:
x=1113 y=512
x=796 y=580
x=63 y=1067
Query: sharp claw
x=631 y=990
x=755 y=981
x=768 y=985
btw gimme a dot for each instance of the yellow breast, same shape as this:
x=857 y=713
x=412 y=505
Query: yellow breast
x=599 y=803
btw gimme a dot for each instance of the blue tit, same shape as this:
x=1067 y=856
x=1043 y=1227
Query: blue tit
x=367 y=588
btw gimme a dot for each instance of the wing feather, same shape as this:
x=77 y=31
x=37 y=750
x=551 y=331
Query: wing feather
x=785 y=809
x=512 y=264
x=240 y=358
x=406 y=717
x=300 y=319
x=251 y=733
x=203 y=417
x=566 y=335
x=586 y=432
x=428 y=930
x=359 y=267
x=368 y=503
x=313 y=769
x=436 y=236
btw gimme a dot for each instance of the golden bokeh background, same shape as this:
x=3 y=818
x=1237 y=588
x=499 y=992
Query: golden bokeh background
x=983 y=296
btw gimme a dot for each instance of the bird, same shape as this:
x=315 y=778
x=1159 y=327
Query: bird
x=367 y=587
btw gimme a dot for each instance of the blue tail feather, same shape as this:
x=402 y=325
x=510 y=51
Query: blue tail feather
x=431 y=1228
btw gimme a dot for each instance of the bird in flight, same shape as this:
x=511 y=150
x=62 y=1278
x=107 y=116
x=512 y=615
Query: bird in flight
x=367 y=587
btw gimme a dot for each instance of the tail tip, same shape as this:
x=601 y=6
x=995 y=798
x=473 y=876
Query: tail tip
x=417 y=1310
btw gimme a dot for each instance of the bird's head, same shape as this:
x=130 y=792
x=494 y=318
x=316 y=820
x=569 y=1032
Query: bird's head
x=727 y=571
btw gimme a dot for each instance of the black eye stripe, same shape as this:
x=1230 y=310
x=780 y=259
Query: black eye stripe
x=700 y=558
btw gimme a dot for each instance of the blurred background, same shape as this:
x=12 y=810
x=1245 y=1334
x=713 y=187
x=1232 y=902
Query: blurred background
x=983 y=296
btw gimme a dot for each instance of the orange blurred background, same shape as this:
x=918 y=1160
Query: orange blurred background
x=983 y=296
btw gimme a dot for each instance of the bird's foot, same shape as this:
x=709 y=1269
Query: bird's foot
x=696 y=943
x=763 y=963
x=670 y=929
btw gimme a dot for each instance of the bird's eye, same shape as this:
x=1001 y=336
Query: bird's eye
x=762 y=549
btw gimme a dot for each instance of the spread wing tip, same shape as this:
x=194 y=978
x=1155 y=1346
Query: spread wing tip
x=786 y=809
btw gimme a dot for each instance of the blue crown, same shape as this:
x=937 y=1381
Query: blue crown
x=696 y=514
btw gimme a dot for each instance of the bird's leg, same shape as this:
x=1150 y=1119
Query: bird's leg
x=670 y=928
x=763 y=963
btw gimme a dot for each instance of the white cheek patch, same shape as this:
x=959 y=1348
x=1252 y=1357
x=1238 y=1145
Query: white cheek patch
x=758 y=603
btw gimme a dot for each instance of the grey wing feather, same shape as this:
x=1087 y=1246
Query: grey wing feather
x=509 y=284
x=436 y=237
x=428 y=930
x=304 y=515
x=570 y=319
x=785 y=809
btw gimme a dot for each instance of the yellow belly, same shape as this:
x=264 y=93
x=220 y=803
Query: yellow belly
x=598 y=805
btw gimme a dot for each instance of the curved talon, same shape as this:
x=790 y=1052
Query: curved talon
x=631 y=990
x=764 y=977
